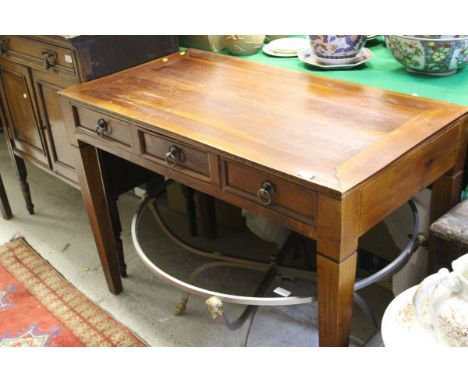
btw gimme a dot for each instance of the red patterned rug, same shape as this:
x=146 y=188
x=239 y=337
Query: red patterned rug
x=38 y=307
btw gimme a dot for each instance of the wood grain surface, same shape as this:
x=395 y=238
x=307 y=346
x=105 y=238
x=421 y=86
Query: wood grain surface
x=281 y=119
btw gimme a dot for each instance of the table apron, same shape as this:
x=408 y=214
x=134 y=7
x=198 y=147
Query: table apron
x=404 y=178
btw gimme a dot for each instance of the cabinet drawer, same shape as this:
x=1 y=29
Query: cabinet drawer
x=275 y=193
x=30 y=49
x=103 y=127
x=174 y=154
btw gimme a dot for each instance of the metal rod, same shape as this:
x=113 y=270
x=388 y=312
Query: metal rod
x=243 y=300
x=400 y=261
x=261 y=290
x=366 y=309
x=248 y=314
x=211 y=255
x=389 y=270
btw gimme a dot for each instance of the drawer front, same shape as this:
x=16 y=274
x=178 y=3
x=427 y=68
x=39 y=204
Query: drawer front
x=174 y=154
x=39 y=52
x=104 y=128
x=278 y=194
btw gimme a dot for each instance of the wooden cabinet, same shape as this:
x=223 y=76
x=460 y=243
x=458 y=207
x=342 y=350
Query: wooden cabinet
x=34 y=68
x=22 y=119
x=46 y=86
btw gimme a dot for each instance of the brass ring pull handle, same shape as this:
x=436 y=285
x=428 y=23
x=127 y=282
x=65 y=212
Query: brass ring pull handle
x=50 y=59
x=101 y=127
x=266 y=193
x=173 y=156
x=3 y=46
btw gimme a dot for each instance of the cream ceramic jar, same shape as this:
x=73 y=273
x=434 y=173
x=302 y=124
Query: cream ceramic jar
x=441 y=304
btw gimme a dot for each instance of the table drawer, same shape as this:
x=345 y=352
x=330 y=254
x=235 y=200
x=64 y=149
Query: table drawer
x=57 y=57
x=103 y=127
x=278 y=194
x=174 y=154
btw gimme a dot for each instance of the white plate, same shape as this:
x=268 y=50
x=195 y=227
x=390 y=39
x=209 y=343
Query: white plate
x=272 y=53
x=307 y=57
x=400 y=327
x=288 y=45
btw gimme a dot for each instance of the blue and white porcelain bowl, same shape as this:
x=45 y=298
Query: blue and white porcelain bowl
x=336 y=46
x=435 y=55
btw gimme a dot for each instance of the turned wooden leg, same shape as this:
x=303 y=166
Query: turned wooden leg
x=4 y=204
x=337 y=243
x=96 y=202
x=20 y=168
x=189 y=194
x=206 y=206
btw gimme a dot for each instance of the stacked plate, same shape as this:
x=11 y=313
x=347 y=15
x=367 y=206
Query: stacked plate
x=286 y=47
x=308 y=57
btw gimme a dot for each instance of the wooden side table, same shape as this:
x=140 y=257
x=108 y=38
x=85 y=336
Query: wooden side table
x=327 y=159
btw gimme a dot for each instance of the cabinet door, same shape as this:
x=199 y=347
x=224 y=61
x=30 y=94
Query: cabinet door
x=60 y=151
x=21 y=111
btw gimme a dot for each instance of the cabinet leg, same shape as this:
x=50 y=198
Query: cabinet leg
x=22 y=176
x=4 y=204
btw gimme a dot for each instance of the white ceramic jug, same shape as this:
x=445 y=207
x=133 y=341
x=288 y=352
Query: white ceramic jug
x=441 y=304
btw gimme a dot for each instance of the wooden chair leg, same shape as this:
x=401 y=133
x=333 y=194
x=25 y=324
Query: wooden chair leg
x=4 y=204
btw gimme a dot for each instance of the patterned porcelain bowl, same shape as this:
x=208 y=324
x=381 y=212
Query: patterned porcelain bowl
x=436 y=56
x=336 y=46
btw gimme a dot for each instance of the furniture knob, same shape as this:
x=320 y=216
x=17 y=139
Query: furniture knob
x=101 y=127
x=50 y=59
x=173 y=156
x=266 y=192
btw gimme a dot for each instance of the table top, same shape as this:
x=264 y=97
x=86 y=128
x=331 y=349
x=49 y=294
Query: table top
x=384 y=72
x=286 y=120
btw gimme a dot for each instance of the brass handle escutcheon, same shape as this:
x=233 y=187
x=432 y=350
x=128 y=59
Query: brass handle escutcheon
x=50 y=59
x=101 y=127
x=266 y=192
x=173 y=156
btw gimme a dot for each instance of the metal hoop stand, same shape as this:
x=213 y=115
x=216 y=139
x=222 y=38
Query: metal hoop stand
x=215 y=300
